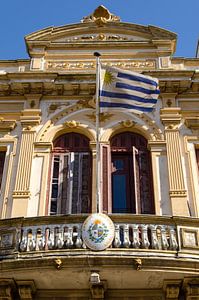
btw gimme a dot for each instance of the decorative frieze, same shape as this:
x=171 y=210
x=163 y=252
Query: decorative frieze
x=91 y=65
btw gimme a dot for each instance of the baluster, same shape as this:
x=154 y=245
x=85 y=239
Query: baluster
x=59 y=238
x=165 y=244
x=117 y=241
x=24 y=241
x=41 y=240
x=172 y=239
x=145 y=240
x=51 y=238
x=32 y=240
x=136 y=240
x=78 y=243
x=154 y=239
x=126 y=242
x=69 y=237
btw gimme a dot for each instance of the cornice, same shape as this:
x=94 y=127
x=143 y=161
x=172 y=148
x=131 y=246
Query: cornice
x=184 y=83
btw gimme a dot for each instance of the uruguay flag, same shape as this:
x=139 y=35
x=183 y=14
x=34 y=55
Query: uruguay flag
x=122 y=89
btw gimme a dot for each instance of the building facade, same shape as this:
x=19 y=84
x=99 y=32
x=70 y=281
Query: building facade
x=149 y=168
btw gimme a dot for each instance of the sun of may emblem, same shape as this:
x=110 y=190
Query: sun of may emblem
x=109 y=77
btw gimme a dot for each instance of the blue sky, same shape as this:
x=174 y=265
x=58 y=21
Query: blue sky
x=21 y=17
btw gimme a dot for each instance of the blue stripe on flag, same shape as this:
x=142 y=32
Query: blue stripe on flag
x=137 y=78
x=136 y=88
x=127 y=96
x=125 y=105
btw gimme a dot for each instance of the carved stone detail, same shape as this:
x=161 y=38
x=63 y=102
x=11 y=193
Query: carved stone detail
x=7 y=240
x=7 y=125
x=90 y=64
x=98 y=37
x=128 y=123
x=102 y=117
x=30 y=118
x=101 y=16
x=172 y=289
x=191 y=288
x=71 y=124
x=7 y=289
x=26 y=289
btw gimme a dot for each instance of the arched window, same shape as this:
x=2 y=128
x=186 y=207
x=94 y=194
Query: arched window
x=132 y=186
x=71 y=175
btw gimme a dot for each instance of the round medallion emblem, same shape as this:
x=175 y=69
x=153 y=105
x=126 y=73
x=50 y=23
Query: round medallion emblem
x=98 y=232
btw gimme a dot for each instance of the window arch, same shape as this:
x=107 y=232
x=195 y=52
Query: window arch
x=131 y=175
x=71 y=175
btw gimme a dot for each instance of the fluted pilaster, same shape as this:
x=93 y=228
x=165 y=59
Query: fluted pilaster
x=171 y=118
x=29 y=119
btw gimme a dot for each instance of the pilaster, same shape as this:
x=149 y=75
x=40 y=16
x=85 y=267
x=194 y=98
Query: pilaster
x=29 y=119
x=171 y=118
x=157 y=149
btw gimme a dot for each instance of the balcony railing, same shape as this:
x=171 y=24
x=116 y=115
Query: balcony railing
x=133 y=232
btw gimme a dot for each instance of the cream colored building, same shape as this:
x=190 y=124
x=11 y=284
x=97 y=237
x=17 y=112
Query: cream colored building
x=149 y=181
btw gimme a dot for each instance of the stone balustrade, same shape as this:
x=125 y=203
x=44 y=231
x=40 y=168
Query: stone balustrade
x=132 y=232
x=138 y=236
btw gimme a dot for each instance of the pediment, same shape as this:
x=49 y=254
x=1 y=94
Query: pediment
x=110 y=31
x=101 y=27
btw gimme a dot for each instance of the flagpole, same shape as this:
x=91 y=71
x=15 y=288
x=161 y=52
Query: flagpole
x=97 y=55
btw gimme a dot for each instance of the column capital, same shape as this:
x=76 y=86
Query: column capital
x=30 y=118
x=171 y=117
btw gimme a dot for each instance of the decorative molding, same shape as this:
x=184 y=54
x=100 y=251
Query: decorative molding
x=104 y=116
x=7 y=125
x=7 y=288
x=172 y=289
x=101 y=16
x=98 y=37
x=191 y=288
x=30 y=118
x=71 y=124
x=71 y=65
x=128 y=123
x=54 y=106
x=26 y=289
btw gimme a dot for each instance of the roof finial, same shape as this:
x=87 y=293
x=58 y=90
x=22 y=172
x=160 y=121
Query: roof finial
x=101 y=16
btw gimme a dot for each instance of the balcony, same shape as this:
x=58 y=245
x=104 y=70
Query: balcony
x=139 y=235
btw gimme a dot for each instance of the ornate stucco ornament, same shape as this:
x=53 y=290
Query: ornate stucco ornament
x=101 y=16
x=71 y=124
x=128 y=123
x=104 y=116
